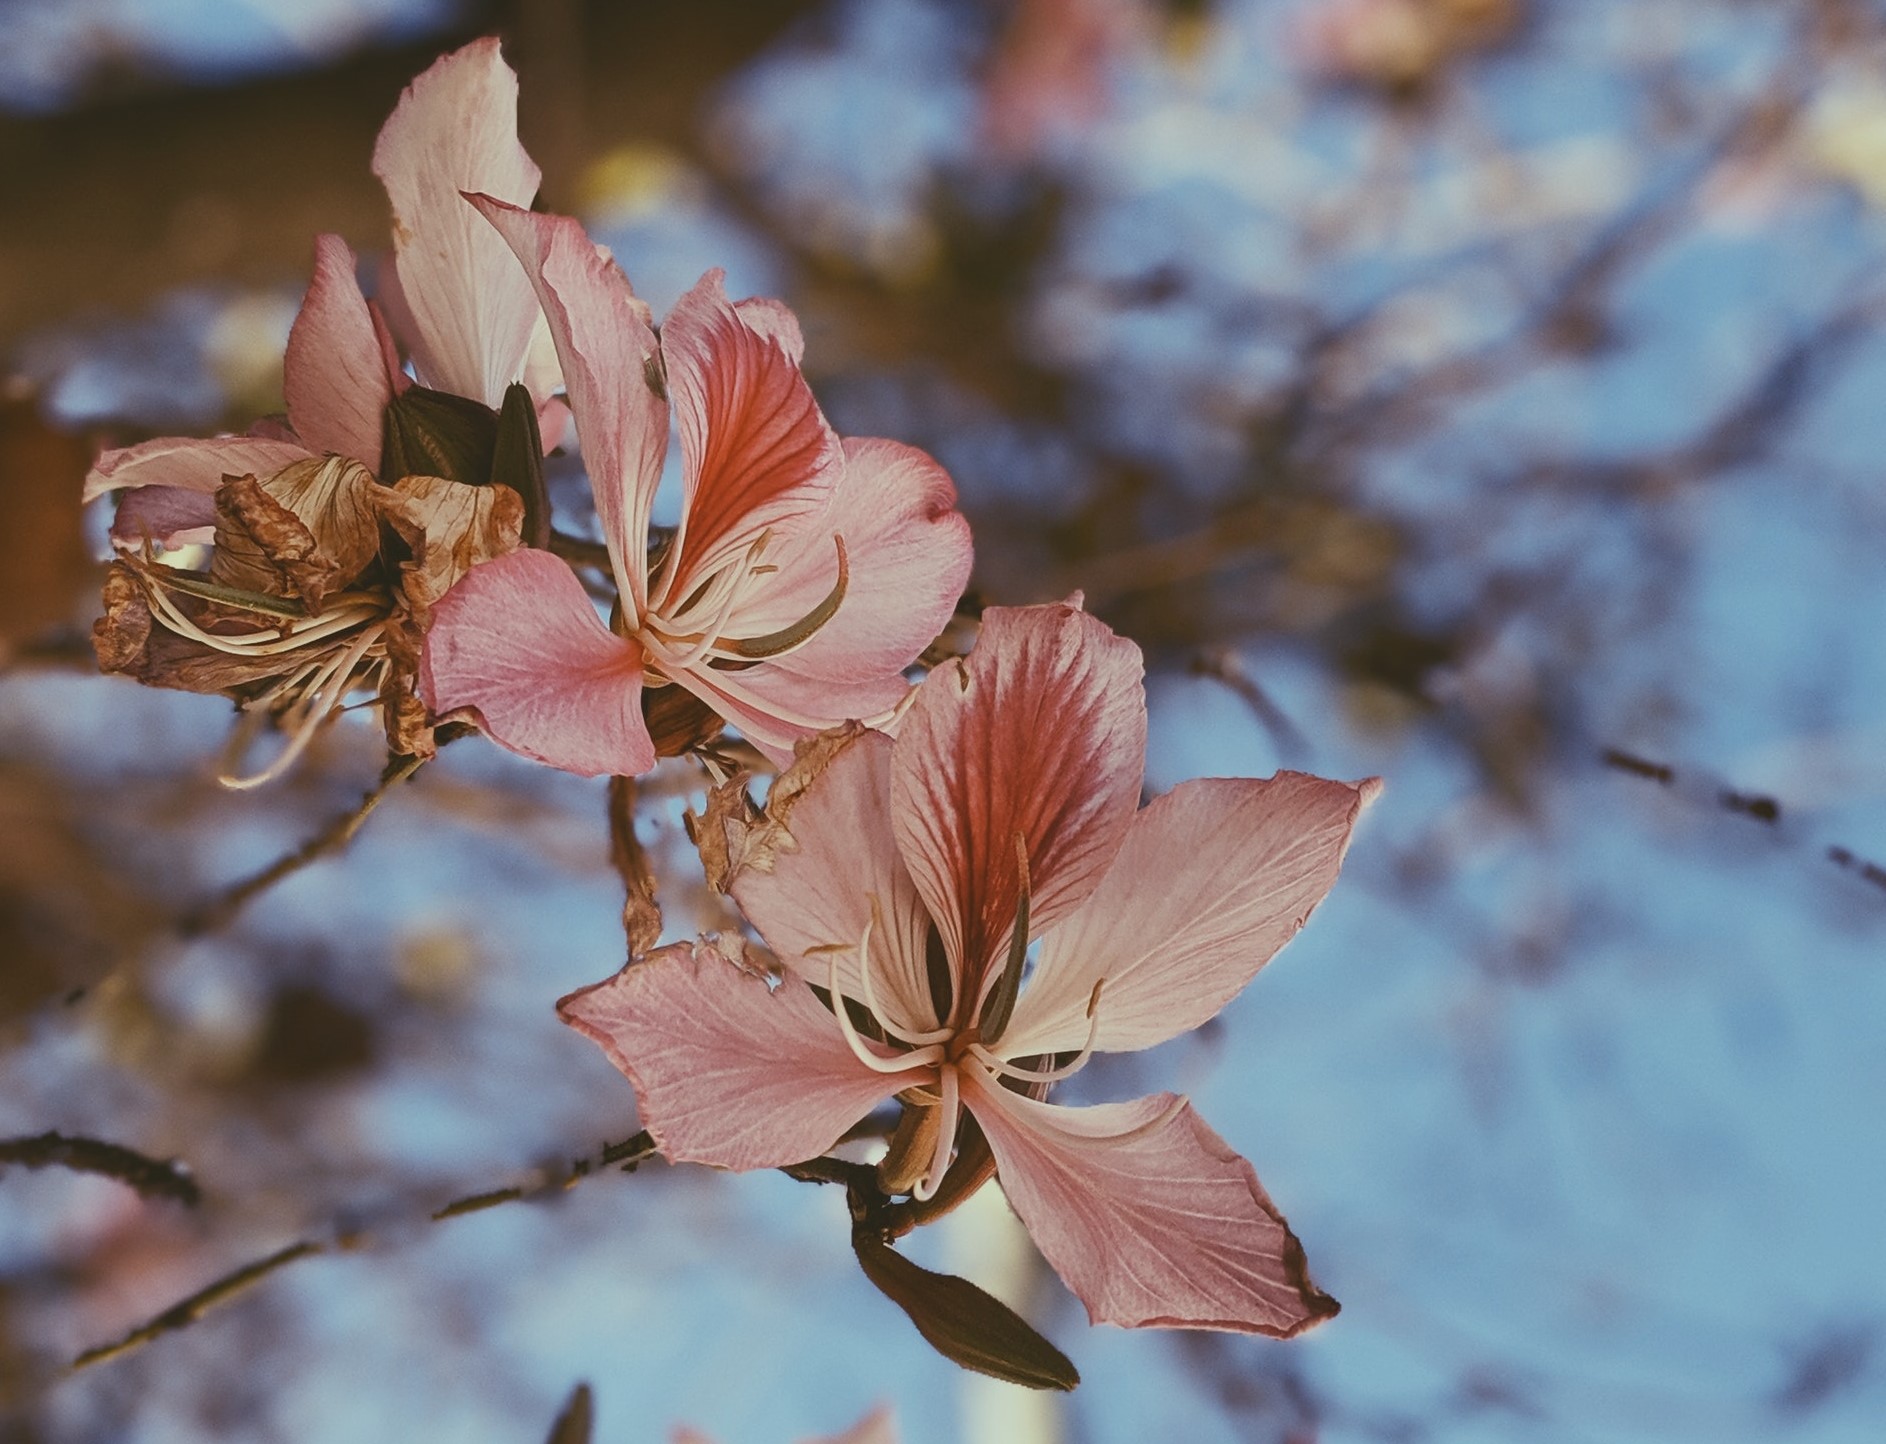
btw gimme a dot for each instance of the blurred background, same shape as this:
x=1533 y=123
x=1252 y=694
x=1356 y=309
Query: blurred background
x=1482 y=393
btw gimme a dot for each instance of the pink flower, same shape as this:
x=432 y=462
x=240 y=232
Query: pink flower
x=907 y=877
x=453 y=296
x=805 y=575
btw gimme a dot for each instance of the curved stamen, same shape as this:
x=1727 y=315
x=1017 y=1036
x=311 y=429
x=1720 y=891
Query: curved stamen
x=915 y=1039
x=791 y=638
x=1048 y=1075
x=318 y=706
x=919 y=1058
x=932 y=1179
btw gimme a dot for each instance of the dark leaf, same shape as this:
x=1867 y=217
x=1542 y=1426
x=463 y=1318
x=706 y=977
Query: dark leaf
x=578 y=1418
x=517 y=461
x=434 y=433
x=963 y=1323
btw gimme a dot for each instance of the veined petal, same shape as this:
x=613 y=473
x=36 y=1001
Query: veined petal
x=1147 y=1214
x=756 y=451
x=192 y=463
x=908 y=554
x=335 y=376
x=609 y=356
x=728 y=1071
x=471 y=309
x=1215 y=877
x=1039 y=733
x=827 y=854
x=518 y=643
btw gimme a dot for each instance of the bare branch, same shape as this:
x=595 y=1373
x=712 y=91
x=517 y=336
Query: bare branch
x=149 y=1177
x=221 y=910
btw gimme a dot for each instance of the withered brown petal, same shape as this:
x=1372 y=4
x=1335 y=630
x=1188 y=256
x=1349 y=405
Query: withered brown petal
x=732 y=837
x=119 y=636
x=964 y=1324
x=451 y=527
x=334 y=498
x=262 y=546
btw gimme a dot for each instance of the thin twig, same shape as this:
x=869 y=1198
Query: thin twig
x=1222 y=665
x=149 y=1177
x=220 y=910
x=187 y=1311
x=1753 y=805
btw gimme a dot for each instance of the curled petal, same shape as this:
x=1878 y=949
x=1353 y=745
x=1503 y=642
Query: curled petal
x=1215 y=877
x=610 y=364
x=909 y=557
x=169 y=516
x=1039 y=734
x=519 y=645
x=467 y=309
x=1148 y=1215
x=728 y=1070
x=192 y=463
x=824 y=862
x=335 y=375
x=756 y=452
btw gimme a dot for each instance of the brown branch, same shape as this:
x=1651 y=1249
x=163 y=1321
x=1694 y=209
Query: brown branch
x=1754 y=805
x=149 y=1177
x=641 y=914
x=187 y=1311
x=220 y=910
x=1222 y=665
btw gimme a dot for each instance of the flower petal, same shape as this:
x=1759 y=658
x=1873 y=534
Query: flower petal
x=334 y=375
x=168 y=516
x=1040 y=733
x=189 y=462
x=470 y=309
x=728 y=1071
x=908 y=557
x=519 y=644
x=1147 y=1214
x=815 y=866
x=756 y=452
x=1215 y=877
x=609 y=356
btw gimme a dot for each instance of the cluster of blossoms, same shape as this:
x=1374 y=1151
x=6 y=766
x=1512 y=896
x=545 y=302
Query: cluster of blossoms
x=962 y=898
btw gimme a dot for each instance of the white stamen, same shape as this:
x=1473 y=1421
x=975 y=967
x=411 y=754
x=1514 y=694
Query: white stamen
x=1049 y=1075
x=932 y=1179
x=915 y=1039
x=920 y=1058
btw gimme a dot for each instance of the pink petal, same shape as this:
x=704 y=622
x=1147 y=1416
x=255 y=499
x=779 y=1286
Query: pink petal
x=728 y=1071
x=1039 y=733
x=167 y=516
x=189 y=462
x=335 y=375
x=908 y=556
x=471 y=309
x=1147 y=1215
x=756 y=452
x=820 y=891
x=1215 y=877
x=518 y=643
x=609 y=353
